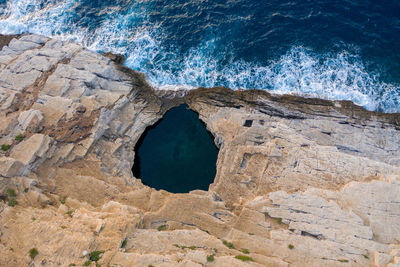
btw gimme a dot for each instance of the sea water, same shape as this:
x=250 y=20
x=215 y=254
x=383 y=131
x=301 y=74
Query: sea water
x=323 y=48
x=177 y=154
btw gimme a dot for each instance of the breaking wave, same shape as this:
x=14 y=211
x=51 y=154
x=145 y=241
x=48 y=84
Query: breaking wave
x=125 y=28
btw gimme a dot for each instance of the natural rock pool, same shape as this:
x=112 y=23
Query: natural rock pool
x=177 y=154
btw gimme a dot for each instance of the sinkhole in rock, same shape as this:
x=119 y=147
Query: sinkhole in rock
x=176 y=154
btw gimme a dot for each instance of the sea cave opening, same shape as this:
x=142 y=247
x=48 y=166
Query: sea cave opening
x=177 y=154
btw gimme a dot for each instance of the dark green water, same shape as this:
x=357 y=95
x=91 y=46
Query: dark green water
x=177 y=154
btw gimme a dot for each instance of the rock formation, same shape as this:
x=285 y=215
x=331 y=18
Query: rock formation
x=300 y=182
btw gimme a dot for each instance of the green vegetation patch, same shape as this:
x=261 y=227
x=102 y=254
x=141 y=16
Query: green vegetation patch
x=63 y=199
x=210 y=258
x=19 y=137
x=33 y=252
x=124 y=242
x=290 y=246
x=95 y=255
x=5 y=147
x=243 y=258
x=343 y=260
x=11 y=192
x=228 y=244
x=245 y=251
x=12 y=202
x=162 y=227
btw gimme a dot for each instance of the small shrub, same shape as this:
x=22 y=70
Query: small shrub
x=366 y=256
x=19 y=137
x=150 y=265
x=11 y=192
x=5 y=147
x=12 y=202
x=87 y=263
x=279 y=220
x=290 y=246
x=63 y=227
x=245 y=251
x=343 y=260
x=63 y=199
x=266 y=214
x=251 y=233
x=162 y=227
x=95 y=255
x=183 y=247
x=26 y=190
x=192 y=247
x=228 y=244
x=69 y=213
x=243 y=258
x=124 y=242
x=210 y=258
x=33 y=252
x=176 y=245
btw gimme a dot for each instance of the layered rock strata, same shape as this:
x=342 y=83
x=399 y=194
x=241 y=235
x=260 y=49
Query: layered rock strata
x=300 y=182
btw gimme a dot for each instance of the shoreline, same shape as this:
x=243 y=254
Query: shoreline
x=180 y=90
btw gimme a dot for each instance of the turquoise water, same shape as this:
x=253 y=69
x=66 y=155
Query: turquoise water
x=177 y=154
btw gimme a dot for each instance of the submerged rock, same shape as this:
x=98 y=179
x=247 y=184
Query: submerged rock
x=303 y=182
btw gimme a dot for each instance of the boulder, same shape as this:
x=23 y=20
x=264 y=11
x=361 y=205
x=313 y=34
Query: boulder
x=10 y=167
x=32 y=148
x=30 y=119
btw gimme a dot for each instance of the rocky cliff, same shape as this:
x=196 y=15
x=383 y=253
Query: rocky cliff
x=300 y=182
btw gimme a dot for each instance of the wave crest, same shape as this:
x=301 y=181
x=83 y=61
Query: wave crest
x=339 y=76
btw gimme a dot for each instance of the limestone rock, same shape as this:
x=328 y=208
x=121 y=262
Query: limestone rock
x=374 y=201
x=382 y=259
x=300 y=182
x=34 y=147
x=10 y=167
x=30 y=119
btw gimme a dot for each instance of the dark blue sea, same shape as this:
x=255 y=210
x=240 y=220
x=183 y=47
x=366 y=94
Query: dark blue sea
x=322 y=48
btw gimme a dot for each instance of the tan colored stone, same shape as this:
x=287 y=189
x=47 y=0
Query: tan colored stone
x=28 y=150
x=300 y=182
x=29 y=119
x=374 y=201
x=10 y=167
x=381 y=259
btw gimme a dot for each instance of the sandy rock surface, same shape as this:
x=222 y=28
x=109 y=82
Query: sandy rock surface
x=300 y=182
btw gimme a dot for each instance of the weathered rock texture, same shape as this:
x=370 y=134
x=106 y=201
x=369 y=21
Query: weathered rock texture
x=300 y=182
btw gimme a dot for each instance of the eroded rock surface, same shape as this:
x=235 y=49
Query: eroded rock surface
x=300 y=182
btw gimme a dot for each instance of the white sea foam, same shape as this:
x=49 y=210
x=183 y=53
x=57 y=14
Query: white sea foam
x=299 y=71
